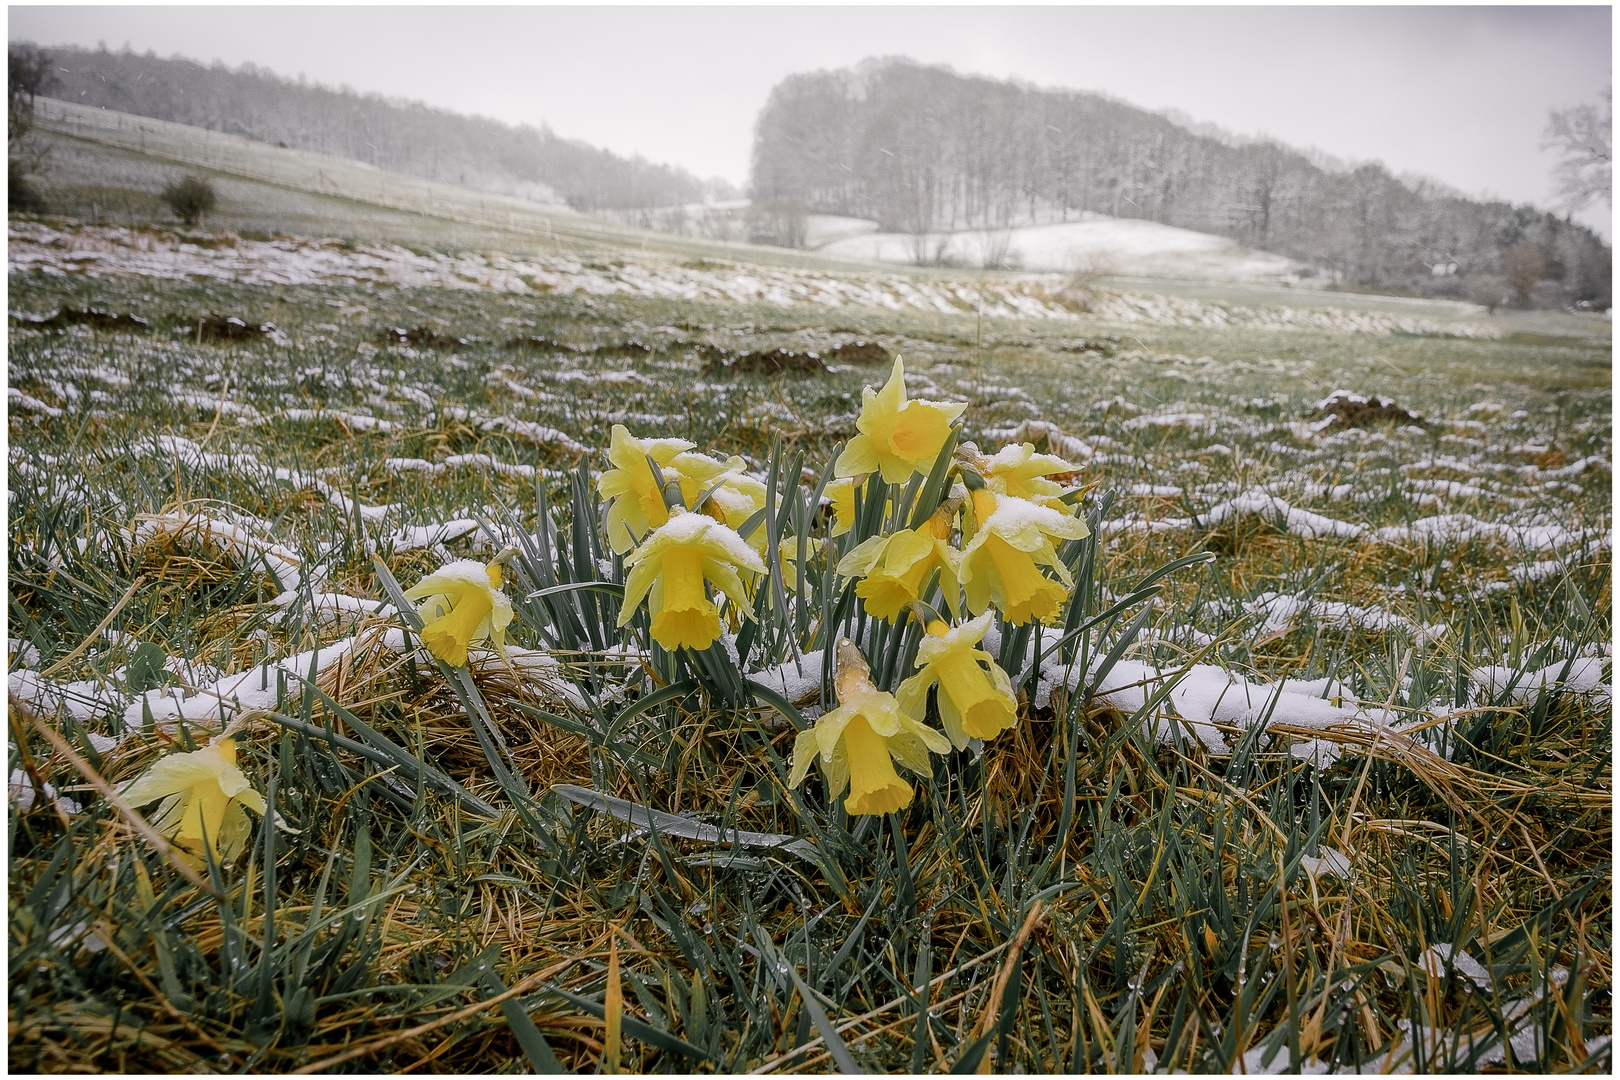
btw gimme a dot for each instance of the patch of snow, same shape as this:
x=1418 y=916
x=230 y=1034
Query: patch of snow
x=23 y=794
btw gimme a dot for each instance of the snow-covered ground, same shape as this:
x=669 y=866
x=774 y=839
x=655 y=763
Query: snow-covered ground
x=110 y=251
x=823 y=229
x=104 y=251
x=1096 y=243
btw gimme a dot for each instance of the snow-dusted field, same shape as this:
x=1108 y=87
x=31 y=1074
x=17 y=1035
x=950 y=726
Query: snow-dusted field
x=1096 y=244
x=1390 y=642
x=111 y=251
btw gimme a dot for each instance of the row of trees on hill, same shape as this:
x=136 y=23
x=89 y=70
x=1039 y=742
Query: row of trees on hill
x=401 y=136
x=924 y=149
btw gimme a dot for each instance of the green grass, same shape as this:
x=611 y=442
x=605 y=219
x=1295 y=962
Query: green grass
x=1077 y=898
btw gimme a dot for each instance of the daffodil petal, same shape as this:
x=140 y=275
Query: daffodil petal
x=805 y=750
x=860 y=559
x=859 y=458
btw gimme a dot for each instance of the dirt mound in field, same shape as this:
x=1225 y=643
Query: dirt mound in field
x=216 y=328
x=92 y=317
x=779 y=360
x=1353 y=410
x=633 y=348
x=805 y=362
x=860 y=352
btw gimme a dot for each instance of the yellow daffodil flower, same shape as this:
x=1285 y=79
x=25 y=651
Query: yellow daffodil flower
x=1000 y=564
x=635 y=496
x=670 y=568
x=204 y=795
x=897 y=437
x=895 y=568
x=859 y=743
x=732 y=497
x=462 y=605
x=975 y=695
x=842 y=494
x=1021 y=472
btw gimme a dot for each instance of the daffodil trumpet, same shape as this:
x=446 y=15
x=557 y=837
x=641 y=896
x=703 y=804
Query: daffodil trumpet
x=859 y=743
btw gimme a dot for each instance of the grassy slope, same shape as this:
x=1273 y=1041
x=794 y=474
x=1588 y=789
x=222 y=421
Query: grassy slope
x=1157 y=867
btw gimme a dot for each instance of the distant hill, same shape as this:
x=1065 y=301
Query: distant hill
x=401 y=136
x=923 y=150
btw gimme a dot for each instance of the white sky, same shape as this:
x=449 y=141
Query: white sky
x=1457 y=93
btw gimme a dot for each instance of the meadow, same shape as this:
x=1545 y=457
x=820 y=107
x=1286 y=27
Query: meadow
x=1313 y=772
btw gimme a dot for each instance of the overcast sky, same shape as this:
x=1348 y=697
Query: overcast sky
x=1460 y=94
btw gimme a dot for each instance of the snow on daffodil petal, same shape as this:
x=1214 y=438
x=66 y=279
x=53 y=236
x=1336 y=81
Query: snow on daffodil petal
x=1000 y=565
x=204 y=794
x=859 y=743
x=975 y=696
x=670 y=569
x=897 y=437
x=462 y=604
x=1019 y=471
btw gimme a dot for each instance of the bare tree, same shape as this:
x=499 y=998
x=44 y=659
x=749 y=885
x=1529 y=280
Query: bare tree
x=1522 y=265
x=190 y=198
x=28 y=74
x=1583 y=136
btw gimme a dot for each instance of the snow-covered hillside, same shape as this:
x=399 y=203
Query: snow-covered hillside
x=1096 y=243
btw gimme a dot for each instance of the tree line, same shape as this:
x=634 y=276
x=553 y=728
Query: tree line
x=923 y=149
x=400 y=136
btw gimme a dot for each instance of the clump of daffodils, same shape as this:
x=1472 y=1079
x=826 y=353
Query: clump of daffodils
x=964 y=543
x=205 y=796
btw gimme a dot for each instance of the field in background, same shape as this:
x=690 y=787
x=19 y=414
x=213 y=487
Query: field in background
x=1429 y=888
x=1095 y=245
